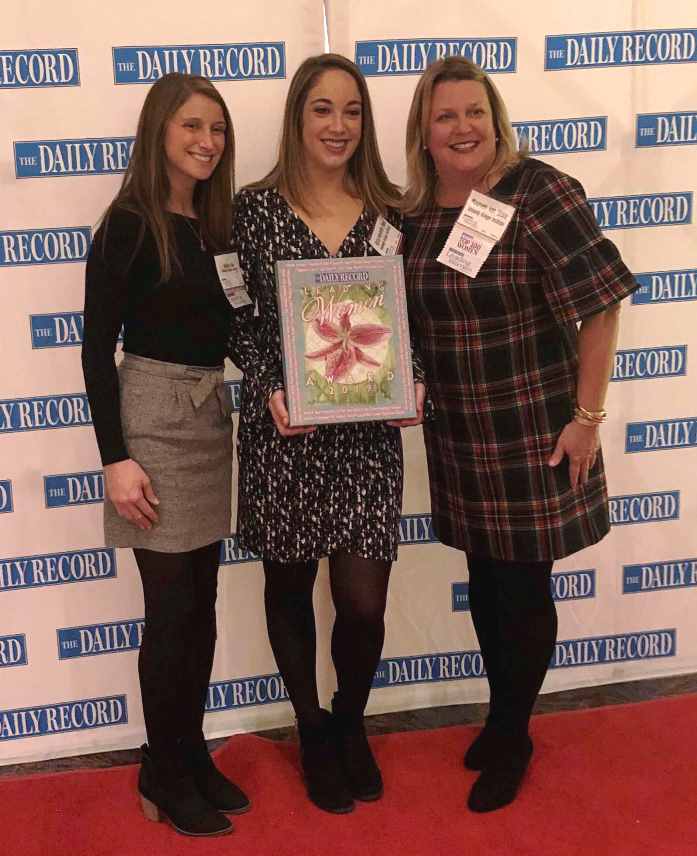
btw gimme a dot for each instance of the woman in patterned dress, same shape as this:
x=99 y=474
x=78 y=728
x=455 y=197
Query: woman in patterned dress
x=515 y=468
x=332 y=490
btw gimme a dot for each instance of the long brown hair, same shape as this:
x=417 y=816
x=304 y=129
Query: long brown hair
x=421 y=171
x=145 y=188
x=366 y=174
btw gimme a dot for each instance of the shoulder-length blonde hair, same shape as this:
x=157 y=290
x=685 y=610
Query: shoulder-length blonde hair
x=366 y=176
x=421 y=171
x=145 y=188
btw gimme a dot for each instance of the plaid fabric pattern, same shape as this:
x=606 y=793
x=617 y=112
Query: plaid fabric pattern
x=500 y=358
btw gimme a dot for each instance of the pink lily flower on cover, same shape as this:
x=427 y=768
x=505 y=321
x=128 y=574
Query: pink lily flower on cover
x=343 y=351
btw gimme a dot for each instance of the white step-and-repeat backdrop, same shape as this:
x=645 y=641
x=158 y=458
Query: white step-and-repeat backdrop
x=603 y=91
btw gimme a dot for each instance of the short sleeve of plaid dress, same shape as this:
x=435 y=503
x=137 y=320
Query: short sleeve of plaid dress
x=501 y=364
x=338 y=488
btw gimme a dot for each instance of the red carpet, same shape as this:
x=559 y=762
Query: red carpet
x=620 y=781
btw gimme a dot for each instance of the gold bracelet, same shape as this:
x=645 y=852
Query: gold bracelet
x=588 y=423
x=597 y=416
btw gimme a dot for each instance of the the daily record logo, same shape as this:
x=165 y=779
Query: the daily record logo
x=628 y=47
x=45 y=246
x=413 y=56
x=650 y=209
x=654 y=576
x=666 y=129
x=235 y=390
x=644 y=507
x=557 y=136
x=565 y=585
x=245 y=692
x=78 y=566
x=661 y=434
x=587 y=651
x=43 y=412
x=13 y=650
x=33 y=67
x=232 y=554
x=92 y=639
x=6 y=496
x=73 y=489
x=247 y=61
x=63 y=716
x=89 y=156
x=58 y=330
x=665 y=286
x=646 y=363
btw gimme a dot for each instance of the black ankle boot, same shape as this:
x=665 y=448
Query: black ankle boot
x=324 y=776
x=484 y=748
x=168 y=792
x=362 y=773
x=213 y=786
x=499 y=782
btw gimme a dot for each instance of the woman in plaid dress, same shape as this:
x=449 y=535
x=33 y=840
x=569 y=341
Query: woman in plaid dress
x=515 y=469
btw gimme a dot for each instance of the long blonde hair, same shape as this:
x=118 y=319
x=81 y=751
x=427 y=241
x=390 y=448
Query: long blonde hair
x=366 y=174
x=421 y=171
x=145 y=188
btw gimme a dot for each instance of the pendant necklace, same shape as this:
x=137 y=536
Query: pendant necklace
x=197 y=234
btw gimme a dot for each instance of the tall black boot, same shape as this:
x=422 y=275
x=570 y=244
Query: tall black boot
x=323 y=772
x=221 y=793
x=362 y=772
x=168 y=792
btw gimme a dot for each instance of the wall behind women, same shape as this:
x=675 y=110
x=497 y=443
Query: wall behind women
x=70 y=609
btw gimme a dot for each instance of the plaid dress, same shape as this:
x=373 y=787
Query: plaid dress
x=501 y=364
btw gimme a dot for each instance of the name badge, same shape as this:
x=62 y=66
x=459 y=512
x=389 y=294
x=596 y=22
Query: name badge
x=385 y=238
x=479 y=225
x=231 y=279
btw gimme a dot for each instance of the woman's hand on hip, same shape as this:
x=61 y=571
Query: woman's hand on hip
x=580 y=444
x=128 y=487
x=279 y=414
x=420 y=397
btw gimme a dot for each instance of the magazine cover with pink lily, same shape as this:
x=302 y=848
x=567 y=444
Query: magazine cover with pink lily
x=345 y=340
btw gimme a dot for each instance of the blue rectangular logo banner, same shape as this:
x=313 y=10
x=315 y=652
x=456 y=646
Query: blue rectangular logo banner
x=416 y=529
x=641 y=210
x=246 y=61
x=654 y=576
x=665 y=286
x=36 y=68
x=63 y=716
x=666 y=129
x=661 y=434
x=93 y=639
x=6 y=496
x=245 y=692
x=413 y=56
x=51 y=569
x=13 y=650
x=45 y=246
x=235 y=390
x=558 y=136
x=73 y=489
x=644 y=507
x=43 y=412
x=626 y=47
x=232 y=554
x=565 y=585
x=647 y=363
x=619 y=648
x=90 y=156
x=429 y=668
x=58 y=330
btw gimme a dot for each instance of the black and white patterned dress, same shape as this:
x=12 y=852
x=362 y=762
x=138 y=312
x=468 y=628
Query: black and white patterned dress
x=339 y=488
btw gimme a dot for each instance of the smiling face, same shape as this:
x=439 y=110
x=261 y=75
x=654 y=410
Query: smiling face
x=461 y=133
x=194 y=141
x=331 y=121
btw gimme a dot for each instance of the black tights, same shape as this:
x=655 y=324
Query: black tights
x=516 y=623
x=176 y=653
x=359 y=592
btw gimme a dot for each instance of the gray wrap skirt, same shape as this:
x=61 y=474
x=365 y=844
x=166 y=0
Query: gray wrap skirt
x=177 y=426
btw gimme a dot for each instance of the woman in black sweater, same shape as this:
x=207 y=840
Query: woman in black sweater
x=163 y=425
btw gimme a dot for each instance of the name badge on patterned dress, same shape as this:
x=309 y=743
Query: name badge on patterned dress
x=385 y=238
x=479 y=225
x=231 y=279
